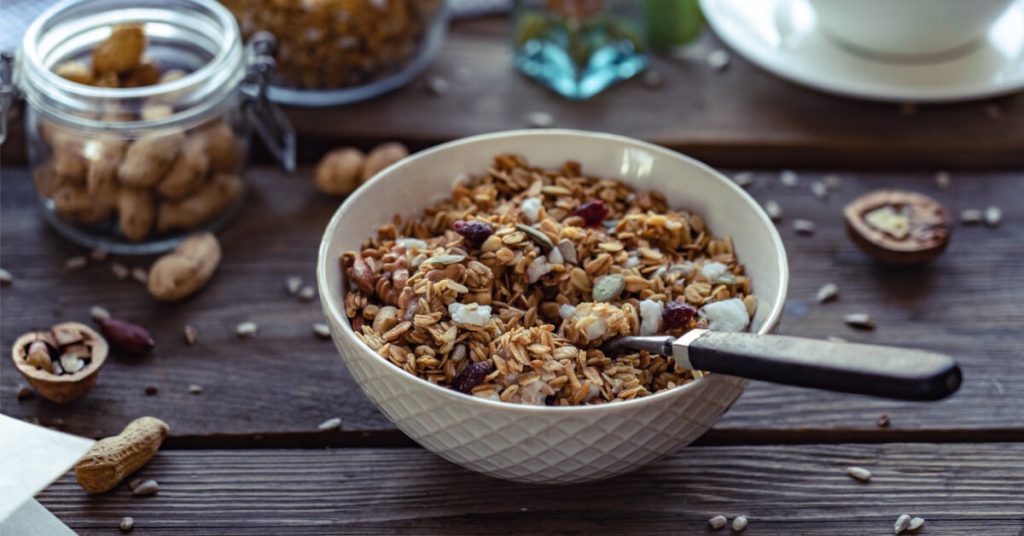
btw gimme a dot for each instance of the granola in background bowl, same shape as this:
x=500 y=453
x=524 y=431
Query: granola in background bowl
x=506 y=289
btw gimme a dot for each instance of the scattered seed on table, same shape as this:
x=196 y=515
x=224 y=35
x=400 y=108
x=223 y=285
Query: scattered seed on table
x=718 y=522
x=819 y=190
x=883 y=420
x=993 y=216
x=127 y=524
x=970 y=216
x=789 y=178
x=151 y=390
x=307 y=294
x=437 y=85
x=322 y=330
x=99 y=314
x=24 y=392
x=943 y=180
x=140 y=275
x=908 y=108
x=774 y=210
x=120 y=271
x=652 y=79
x=246 y=329
x=832 y=181
x=718 y=59
x=5 y=277
x=859 y=473
x=804 y=227
x=76 y=263
x=901 y=524
x=98 y=255
x=743 y=179
x=915 y=523
x=540 y=120
x=992 y=111
x=195 y=389
x=135 y=483
x=191 y=335
x=330 y=424
x=292 y=284
x=146 y=487
x=827 y=293
x=739 y=523
x=860 y=320
x=833 y=338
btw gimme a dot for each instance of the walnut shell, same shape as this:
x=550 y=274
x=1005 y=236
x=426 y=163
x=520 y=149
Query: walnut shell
x=898 y=227
x=62 y=388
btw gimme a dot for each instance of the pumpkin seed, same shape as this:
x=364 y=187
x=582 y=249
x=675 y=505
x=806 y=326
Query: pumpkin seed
x=540 y=238
x=608 y=287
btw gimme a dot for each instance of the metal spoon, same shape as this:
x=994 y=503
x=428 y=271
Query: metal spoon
x=866 y=369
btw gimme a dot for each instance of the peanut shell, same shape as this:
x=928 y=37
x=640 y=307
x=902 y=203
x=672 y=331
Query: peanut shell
x=112 y=459
x=185 y=270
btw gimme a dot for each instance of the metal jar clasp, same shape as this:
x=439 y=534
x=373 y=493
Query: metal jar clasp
x=266 y=117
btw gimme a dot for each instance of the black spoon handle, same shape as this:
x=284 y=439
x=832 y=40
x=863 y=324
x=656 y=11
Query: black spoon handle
x=865 y=369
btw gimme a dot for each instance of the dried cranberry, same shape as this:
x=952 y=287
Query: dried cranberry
x=475 y=231
x=592 y=212
x=472 y=376
x=677 y=314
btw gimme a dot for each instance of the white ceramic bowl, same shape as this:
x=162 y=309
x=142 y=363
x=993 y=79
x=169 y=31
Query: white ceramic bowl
x=549 y=444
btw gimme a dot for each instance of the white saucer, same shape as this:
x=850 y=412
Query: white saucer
x=782 y=36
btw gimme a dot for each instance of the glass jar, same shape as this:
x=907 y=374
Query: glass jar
x=131 y=155
x=342 y=51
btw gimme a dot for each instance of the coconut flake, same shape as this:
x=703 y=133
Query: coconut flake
x=726 y=315
x=531 y=208
x=650 y=317
x=566 y=311
x=555 y=256
x=713 y=271
x=472 y=314
x=537 y=269
x=411 y=243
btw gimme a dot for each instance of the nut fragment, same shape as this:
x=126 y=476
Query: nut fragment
x=113 y=458
x=187 y=269
x=898 y=227
x=340 y=171
x=381 y=157
x=120 y=51
x=859 y=473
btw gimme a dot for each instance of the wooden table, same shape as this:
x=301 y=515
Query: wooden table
x=245 y=455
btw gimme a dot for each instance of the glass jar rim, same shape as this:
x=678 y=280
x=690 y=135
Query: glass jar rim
x=227 y=58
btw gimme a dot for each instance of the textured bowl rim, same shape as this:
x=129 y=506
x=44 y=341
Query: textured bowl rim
x=331 y=304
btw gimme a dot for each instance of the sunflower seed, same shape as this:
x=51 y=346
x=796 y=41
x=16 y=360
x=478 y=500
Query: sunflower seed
x=444 y=260
x=827 y=293
x=652 y=79
x=832 y=181
x=330 y=424
x=718 y=59
x=246 y=329
x=307 y=294
x=98 y=255
x=943 y=180
x=140 y=275
x=774 y=210
x=146 y=487
x=717 y=522
x=915 y=523
x=540 y=120
x=437 y=85
x=970 y=216
x=322 y=330
x=860 y=320
x=739 y=523
x=195 y=389
x=191 y=334
x=5 y=277
x=24 y=392
x=98 y=313
x=993 y=216
x=540 y=238
x=789 y=178
x=819 y=190
x=804 y=227
x=120 y=271
x=901 y=524
x=292 y=284
x=76 y=263
x=127 y=524
x=743 y=179
x=859 y=473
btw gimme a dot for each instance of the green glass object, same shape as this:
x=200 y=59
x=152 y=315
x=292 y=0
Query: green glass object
x=673 y=22
x=579 y=47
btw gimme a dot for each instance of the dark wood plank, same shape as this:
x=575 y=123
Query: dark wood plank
x=740 y=117
x=958 y=489
x=284 y=382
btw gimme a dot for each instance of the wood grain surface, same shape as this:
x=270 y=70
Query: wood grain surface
x=794 y=490
x=273 y=390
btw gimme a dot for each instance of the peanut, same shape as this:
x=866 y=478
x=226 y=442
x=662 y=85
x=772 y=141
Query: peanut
x=146 y=73
x=68 y=161
x=47 y=182
x=185 y=270
x=188 y=172
x=338 y=172
x=198 y=208
x=75 y=71
x=222 y=147
x=121 y=51
x=112 y=459
x=74 y=203
x=149 y=158
x=381 y=157
x=136 y=210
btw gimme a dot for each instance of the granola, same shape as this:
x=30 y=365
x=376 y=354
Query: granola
x=506 y=289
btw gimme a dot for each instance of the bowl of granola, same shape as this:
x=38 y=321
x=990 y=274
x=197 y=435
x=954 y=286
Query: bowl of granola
x=469 y=287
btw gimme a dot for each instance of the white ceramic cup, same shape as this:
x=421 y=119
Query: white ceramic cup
x=908 y=27
x=549 y=444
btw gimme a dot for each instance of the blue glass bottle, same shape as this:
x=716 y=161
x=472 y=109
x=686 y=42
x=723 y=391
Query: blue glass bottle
x=579 y=47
